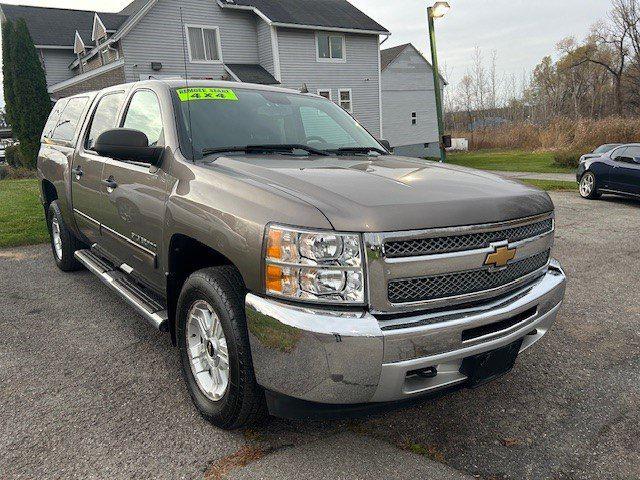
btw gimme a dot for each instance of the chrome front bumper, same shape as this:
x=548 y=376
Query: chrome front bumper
x=352 y=357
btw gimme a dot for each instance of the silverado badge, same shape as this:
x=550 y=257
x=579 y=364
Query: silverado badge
x=500 y=257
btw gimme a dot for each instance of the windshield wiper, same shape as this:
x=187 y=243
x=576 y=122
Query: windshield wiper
x=363 y=150
x=265 y=149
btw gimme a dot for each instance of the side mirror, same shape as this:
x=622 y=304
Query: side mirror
x=385 y=144
x=636 y=160
x=128 y=145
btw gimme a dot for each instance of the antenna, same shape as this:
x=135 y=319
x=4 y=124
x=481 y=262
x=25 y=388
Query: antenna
x=186 y=78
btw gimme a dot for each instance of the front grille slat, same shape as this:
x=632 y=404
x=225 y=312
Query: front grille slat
x=458 y=243
x=462 y=283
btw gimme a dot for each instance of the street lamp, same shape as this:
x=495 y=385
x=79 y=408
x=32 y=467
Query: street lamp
x=438 y=10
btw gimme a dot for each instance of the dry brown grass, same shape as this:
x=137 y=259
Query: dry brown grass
x=560 y=134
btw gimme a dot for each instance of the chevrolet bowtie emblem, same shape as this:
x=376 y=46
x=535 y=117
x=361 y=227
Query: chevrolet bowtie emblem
x=500 y=257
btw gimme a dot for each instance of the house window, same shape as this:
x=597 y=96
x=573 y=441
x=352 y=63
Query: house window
x=330 y=47
x=203 y=44
x=414 y=118
x=344 y=96
x=326 y=93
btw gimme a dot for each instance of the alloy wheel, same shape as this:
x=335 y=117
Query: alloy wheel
x=57 y=238
x=207 y=350
x=587 y=184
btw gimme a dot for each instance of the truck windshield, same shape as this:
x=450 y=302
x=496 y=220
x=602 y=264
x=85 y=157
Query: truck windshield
x=217 y=119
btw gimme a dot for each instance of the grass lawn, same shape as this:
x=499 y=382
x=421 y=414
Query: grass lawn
x=21 y=214
x=508 y=161
x=552 y=185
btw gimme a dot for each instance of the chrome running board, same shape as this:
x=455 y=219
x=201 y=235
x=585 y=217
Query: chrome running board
x=142 y=301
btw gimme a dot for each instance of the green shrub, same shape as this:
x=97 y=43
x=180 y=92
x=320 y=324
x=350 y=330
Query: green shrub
x=13 y=156
x=7 y=172
x=567 y=158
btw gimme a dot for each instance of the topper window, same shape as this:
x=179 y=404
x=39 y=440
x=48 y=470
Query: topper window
x=203 y=44
x=330 y=47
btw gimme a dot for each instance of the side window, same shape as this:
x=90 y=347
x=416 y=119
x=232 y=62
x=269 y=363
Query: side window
x=66 y=128
x=631 y=153
x=344 y=96
x=144 y=114
x=618 y=152
x=325 y=93
x=52 y=121
x=105 y=117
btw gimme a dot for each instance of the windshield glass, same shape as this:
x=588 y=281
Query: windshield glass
x=218 y=118
x=605 y=148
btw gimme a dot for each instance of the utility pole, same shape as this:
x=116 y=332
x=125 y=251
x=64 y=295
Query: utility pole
x=438 y=10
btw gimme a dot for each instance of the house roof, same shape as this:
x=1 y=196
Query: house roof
x=57 y=26
x=133 y=7
x=338 y=14
x=389 y=55
x=250 y=73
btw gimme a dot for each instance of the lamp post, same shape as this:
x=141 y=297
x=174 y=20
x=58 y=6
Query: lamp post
x=438 y=10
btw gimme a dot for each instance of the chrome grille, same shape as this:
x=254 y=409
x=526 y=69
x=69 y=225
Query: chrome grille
x=462 y=283
x=458 y=243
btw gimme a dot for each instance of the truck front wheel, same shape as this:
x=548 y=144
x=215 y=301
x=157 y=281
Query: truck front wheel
x=214 y=348
x=63 y=243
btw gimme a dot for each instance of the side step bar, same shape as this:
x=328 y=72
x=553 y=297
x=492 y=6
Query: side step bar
x=143 y=302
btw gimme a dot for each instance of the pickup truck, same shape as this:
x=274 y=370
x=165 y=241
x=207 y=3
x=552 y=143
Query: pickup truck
x=299 y=267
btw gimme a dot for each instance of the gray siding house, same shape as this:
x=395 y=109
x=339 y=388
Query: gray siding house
x=409 y=103
x=327 y=47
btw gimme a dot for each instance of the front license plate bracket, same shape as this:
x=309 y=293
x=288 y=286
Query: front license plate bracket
x=486 y=367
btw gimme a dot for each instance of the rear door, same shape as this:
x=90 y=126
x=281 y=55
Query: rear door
x=88 y=191
x=625 y=175
x=134 y=210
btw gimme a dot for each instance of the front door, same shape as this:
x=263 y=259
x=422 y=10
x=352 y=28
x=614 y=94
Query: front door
x=625 y=175
x=87 y=188
x=133 y=214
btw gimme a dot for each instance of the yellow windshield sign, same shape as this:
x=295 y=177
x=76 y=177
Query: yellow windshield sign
x=189 y=94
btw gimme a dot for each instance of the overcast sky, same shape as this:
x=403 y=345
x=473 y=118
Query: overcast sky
x=521 y=31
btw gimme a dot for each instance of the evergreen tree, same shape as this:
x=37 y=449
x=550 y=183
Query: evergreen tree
x=8 y=34
x=32 y=104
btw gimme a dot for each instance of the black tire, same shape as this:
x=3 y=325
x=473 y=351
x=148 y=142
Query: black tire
x=243 y=403
x=586 y=192
x=69 y=243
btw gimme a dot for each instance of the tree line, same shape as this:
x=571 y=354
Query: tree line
x=596 y=77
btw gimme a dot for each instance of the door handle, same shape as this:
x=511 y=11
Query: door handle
x=110 y=183
x=77 y=171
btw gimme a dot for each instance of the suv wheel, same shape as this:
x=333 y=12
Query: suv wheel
x=588 y=186
x=214 y=348
x=63 y=243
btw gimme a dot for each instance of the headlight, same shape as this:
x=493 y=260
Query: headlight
x=314 y=266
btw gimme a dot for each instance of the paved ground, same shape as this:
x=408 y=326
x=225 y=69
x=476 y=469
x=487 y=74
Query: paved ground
x=88 y=390
x=563 y=177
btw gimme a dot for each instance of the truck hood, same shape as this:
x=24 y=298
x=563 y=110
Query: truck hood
x=390 y=193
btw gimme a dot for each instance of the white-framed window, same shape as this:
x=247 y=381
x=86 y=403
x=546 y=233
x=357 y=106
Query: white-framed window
x=414 y=118
x=345 y=99
x=203 y=43
x=325 y=92
x=330 y=47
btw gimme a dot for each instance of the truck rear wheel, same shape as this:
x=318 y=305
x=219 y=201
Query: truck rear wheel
x=214 y=349
x=63 y=242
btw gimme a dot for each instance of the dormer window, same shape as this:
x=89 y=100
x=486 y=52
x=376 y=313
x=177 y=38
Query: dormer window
x=78 y=45
x=99 y=31
x=330 y=47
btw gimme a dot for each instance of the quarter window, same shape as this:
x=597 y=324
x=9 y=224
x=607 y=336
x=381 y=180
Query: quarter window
x=330 y=47
x=68 y=123
x=204 y=44
x=104 y=117
x=144 y=114
x=344 y=96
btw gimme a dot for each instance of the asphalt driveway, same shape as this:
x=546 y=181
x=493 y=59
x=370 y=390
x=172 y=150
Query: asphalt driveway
x=88 y=390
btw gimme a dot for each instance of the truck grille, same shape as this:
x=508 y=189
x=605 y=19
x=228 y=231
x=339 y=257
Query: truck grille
x=462 y=283
x=458 y=243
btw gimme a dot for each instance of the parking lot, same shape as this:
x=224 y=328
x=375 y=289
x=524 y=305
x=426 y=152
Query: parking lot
x=89 y=390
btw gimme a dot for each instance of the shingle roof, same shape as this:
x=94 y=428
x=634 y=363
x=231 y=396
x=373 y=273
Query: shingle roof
x=250 y=73
x=57 y=26
x=388 y=55
x=322 y=13
x=133 y=7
